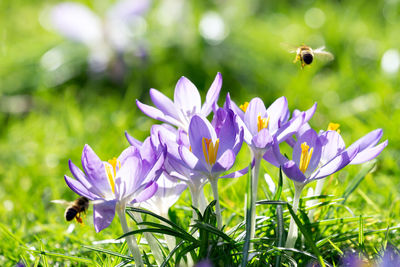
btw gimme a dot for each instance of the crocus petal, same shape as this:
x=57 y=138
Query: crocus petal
x=278 y=112
x=164 y=104
x=293 y=172
x=103 y=214
x=332 y=145
x=225 y=162
x=238 y=173
x=130 y=172
x=155 y=171
x=187 y=97
x=368 y=140
x=200 y=128
x=132 y=141
x=262 y=139
x=256 y=108
x=369 y=153
x=229 y=134
x=81 y=177
x=78 y=188
x=277 y=155
x=95 y=170
x=146 y=193
x=157 y=114
x=191 y=160
x=147 y=153
x=289 y=128
x=269 y=156
x=232 y=105
x=336 y=164
x=128 y=153
x=212 y=95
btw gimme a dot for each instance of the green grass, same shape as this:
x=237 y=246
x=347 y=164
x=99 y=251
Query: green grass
x=58 y=120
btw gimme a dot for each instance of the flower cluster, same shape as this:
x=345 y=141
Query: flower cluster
x=188 y=151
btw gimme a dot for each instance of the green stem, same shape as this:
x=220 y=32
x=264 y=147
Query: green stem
x=130 y=239
x=214 y=186
x=293 y=232
x=254 y=180
x=151 y=241
x=317 y=192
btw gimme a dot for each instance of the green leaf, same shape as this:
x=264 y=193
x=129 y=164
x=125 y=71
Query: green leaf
x=109 y=252
x=366 y=168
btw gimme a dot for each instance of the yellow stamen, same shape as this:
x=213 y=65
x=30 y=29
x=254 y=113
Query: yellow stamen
x=244 y=106
x=262 y=123
x=210 y=150
x=334 y=127
x=112 y=171
x=305 y=157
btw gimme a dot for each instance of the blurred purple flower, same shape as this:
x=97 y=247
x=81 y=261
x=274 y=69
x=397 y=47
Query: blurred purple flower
x=130 y=178
x=187 y=103
x=391 y=257
x=104 y=37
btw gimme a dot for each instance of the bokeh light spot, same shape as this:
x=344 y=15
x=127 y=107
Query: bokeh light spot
x=314 y=18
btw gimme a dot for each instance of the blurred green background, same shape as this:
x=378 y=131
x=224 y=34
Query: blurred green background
x=52 y=103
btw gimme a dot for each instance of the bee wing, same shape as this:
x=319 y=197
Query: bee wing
x=289 y=48
x=61 y=201
x=324 y=55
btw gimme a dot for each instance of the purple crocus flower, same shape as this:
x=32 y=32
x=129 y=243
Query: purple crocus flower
x=213 y=150
x=127 y=179
x=187 y=103
x=262 y=126
x=316 y=156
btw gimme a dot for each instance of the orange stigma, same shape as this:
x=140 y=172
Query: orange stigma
x=210 y=150
x=305 y=157
x=111 y=171
x=334 y=127
x=244 y=106
x=262 y=123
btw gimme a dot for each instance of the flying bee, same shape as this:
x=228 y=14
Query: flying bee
x=75 y=208
x=306 y=54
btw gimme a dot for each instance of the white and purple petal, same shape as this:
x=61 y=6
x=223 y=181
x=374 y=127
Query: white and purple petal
x=212 y=95
x=103 y=214
x=187 y=97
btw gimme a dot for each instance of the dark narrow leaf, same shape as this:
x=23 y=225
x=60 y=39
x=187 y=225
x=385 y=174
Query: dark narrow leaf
x=308 y=238
x=279 y=232
x=186 y=236
x=169 y=257
x=271 y=202
x=109 y=252
x=175 y=226
x=280 y=185
x=214 y=230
